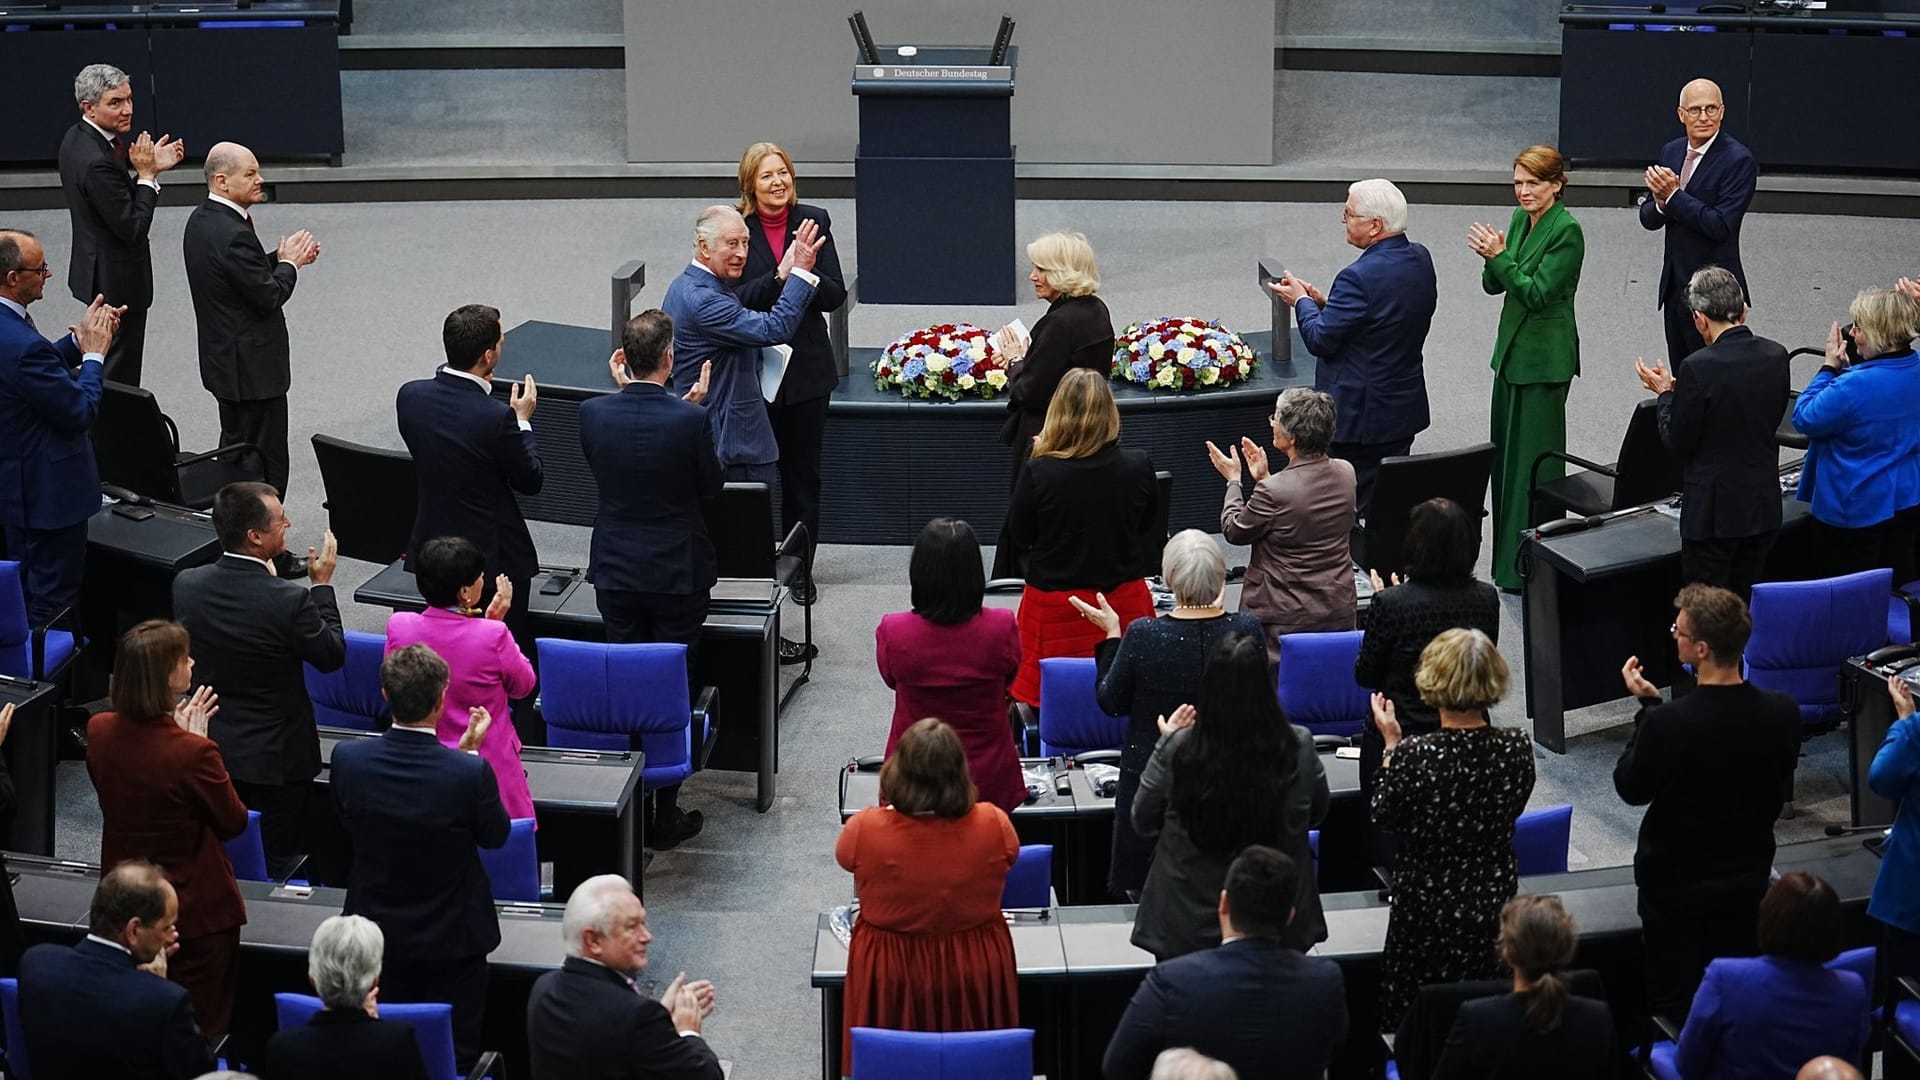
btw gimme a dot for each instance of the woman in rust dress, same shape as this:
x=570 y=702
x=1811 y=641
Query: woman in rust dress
x=164 y=795
x=930 y=950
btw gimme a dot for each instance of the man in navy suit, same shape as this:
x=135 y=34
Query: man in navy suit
x=711 y=325
x=416 y=814
x=590 y=1019
x=1253 y=1002
x=110 y=211
x=1698 y=193
x=1368 y=334
x=104 y=1007
x=49 y=396
x=471 y=453
x=651 y=563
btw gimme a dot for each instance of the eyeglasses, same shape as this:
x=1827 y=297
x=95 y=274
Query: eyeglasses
x=1701 y=112
x=43 y=271
x=1679 y=633
x=1348 y=215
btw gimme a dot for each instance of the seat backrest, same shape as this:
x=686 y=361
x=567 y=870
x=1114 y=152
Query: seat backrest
x=1804 y=631
x=17 y=1065
x=432 y=1027
x=1786 y=434
x=1006 y=1054
x=1647 y=469
x=132 y=443
x=351 y=697
x=16 y=654
x=1316 y=686
x=371 y=498
x=740 y=524
x=1541 y=838
x=513 y=870
x=1407 y=481
x=598 y=697
x=247 y=852
x=1165 y=517
x=1030 y=882
x=1071 y=720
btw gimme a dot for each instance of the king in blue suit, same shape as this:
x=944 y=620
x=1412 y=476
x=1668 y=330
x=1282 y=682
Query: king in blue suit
x=710 y=324
x=49 y=396
x=1368 y=332
x=1698 y=193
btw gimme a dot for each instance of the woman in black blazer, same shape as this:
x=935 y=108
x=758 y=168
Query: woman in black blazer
x=1076 y=332
x=1539 y=1029
x=799 y=411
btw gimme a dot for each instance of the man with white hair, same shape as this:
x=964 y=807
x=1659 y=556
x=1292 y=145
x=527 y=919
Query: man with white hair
x=347 y=1036
x=1368 y=333
x=111 y=212
x=590 y=1019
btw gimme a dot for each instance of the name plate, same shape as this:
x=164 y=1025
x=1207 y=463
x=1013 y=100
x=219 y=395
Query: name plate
x=928 y=73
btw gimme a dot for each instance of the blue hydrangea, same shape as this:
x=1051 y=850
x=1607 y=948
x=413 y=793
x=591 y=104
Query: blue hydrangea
x=1142 y=370
x=915 y=368
x=962 y=366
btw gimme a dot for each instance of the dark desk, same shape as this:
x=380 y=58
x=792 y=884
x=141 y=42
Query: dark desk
x=1594 y=598
x=738 y=655
x=586 y=802
x=1102 y=968
x=1079 y=825
x=32 y=752
x=129 y=576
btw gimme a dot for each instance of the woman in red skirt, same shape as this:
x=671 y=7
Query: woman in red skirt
x=1087 y=511
x=930 y=950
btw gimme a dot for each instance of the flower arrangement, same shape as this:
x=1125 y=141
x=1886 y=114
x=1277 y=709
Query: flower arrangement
x=1177 y=353
x=951 y=360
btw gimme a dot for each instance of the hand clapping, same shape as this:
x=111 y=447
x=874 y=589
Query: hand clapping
x=697 y=393
x=478 y=721
x=1656 y=378
x=1226 y=463
x=194 y=713
x=1255 y=457
x=1103 y=616
x=1636 y=680
x=1897 y=689
x=1184 y=716
x=1662 y=182
x=1485 y=240
x=502 y=599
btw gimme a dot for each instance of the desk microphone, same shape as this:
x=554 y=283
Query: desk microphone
x=120 y=494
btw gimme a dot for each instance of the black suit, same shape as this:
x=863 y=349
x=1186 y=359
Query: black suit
x=416 y=814
x=252 y=632
x=238 y=291
x=1702 y=223
x=1491 y=1040
x=339 y=1043
x=1270 y=1012
x=88 y=1011
x=1712 y=769
x=1719 y=421
x=798 y=412
x=586 y=1022
x=652 y=564
x=111 y=214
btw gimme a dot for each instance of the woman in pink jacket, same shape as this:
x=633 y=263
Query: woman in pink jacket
x=484 y=666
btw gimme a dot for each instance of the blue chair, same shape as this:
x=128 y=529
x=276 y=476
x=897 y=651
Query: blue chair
x=1030 y=882
x=16 y=1035
x=1660 y=1060
x=350 y=697
x=247 y=853
x=608 y=697
x=1316 y=684
x=879 y=1054
x=432 y=1028
x=1071 y=720
x=28 y=652
x=1804 y=631
x=1903 y=614
x=1540 y=840
x=514 y=870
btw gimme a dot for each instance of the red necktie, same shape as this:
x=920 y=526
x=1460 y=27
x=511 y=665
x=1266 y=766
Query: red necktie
x=120 y=150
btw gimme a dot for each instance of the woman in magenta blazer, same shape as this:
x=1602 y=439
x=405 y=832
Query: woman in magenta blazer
x=484 y=666
x=952 y=659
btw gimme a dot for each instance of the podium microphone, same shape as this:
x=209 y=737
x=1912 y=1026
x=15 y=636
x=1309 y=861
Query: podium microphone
x=1000 y=42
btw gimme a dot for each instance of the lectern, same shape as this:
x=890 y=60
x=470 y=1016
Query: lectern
x=933 y=176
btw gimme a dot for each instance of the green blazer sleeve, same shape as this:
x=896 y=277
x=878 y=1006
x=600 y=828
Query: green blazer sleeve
x=1538 y=340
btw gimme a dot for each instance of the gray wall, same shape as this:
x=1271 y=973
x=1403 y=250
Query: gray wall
x=1140 y=81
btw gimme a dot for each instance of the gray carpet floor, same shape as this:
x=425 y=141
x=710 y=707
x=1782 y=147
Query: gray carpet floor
x=737 y=905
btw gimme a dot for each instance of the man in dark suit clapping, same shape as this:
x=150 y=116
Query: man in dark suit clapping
x=589 y=1019
x=1252 y=1002
x=104 y=1007
x=417 y=815
x=252 y=632
x=1720 y=422
x=111 y=212
x=652 y=564
x=238 y=291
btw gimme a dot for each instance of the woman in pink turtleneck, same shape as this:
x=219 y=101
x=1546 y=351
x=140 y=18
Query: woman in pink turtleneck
x=799 y=412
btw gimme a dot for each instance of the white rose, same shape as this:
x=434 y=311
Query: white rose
x=1166 y=377
x=1208 y=375
x=965 y=382
x=978 y=350
x=938 y=363
x=997 y=379
x=946 y=344
x=1186 y=356
x=1155 y=351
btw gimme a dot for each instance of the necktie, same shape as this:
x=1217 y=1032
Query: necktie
x=120 y=150
x=1686 y=170
x=27 y=316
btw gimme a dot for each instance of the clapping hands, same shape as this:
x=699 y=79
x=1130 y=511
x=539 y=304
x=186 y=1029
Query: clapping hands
x=1656 y=378
x=193 y=714
x=1485 y=240
x=1184 y=716
x=502 y=599
x=1636 y=680
x=697 y=393
x=478 y=721
x=1662 y=182
x=1897 y=689
x=1103 y=616
x=149 y=158
x=688 y=1002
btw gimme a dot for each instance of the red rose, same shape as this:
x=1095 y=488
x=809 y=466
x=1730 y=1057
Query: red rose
x=1229 y=372
x=948 y=376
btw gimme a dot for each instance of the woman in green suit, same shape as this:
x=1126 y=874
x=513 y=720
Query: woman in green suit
x=1536 y=354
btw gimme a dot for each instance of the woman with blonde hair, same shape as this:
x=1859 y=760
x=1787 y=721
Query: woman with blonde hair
x=1075 y=333
x=798 y=413
x=1452 y=796
x=1086 y=511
